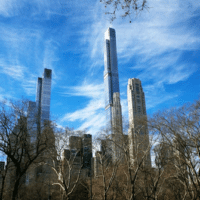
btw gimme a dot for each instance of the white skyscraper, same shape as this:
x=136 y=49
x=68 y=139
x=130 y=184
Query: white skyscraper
x=138 y=132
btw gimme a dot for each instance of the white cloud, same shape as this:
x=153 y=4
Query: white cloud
x=9 y=8
x=20 y=74
x=92 y=115
x=14 y=71
x=163 y=29
x=86 y=90
x=85 y=113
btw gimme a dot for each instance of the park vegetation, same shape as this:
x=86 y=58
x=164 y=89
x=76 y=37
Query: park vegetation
x=39 y=167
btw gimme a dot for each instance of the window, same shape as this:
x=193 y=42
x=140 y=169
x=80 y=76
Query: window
x=138 y=99
x=137 y=88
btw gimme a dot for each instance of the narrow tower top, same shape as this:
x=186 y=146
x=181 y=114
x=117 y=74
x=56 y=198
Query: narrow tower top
x=47 y=73
x=110 y=34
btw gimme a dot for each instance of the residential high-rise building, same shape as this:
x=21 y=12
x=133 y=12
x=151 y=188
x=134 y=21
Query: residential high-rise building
x=39 y=111
x=111 y=79
x=75 y=143
x=82 y=146
x=98 y=162
x=43 y=95
x=87 y=151
x=138 y=132
x=38 y=95
x=32 y=120
x=111 y=84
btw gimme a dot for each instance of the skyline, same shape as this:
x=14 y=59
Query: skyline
x=160 y=47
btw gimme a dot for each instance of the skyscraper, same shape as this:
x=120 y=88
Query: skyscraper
x=43 y=95
x=111 y=84
x=87 y=151
x=32 y=120
x=39 y=111
x=138 y=132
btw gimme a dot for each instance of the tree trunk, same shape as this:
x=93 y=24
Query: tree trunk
x=2 y=187
x=133 y=193
x=15 y=191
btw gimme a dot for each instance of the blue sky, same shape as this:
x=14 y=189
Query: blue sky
x=161 y=47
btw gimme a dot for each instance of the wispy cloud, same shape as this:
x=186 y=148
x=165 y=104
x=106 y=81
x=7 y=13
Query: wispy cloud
x=9 y=8
x=90 y=90
x=50 y=58
x=92 y=116
x=166 y=70
x=15 y=71
x=156 y=40
x=20 y=74
x=5 y=95
x=152 y=45
x=20 y=58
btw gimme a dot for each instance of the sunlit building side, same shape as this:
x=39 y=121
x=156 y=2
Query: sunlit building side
x=138 y=132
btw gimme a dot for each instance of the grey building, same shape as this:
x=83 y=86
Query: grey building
x=87 y=151
x=82 y=146
x=138 y=132
x=75 y=143
x=111 y=85
x=98 y=162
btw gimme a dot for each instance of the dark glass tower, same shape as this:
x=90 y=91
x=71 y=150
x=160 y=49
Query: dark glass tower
x=111 y=79
x=111 y=84
x=43 y=95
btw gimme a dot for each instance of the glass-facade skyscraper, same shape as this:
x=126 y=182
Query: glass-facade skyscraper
x=32 y=120
x=111 y=79
x=43 y=95
x=111 y=87
x=39 y=111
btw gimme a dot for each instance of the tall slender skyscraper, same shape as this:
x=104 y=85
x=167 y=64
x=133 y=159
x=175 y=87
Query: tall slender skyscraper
x=39 y=111
x=111 y=84
x=43 y=95
x=138 y=132
x=32 y=120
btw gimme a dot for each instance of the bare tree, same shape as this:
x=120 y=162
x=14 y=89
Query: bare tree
x=3 y=174
x=180 y=131
x=16 y=144
x=124 y=7
x=123 y=172
x=105 y=177
x=68 y=166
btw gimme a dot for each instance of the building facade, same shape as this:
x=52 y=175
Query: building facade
x=43 y=96
x=38 y=113
x=87 y=151
x=32 y=121
x=112 y=93
x=138 y=133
